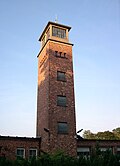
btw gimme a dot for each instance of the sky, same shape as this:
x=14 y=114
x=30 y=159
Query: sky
x=95 y=34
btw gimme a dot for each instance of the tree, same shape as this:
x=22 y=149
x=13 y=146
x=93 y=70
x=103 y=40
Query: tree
x=117 y=132
x=88 y=135
x=106 y=135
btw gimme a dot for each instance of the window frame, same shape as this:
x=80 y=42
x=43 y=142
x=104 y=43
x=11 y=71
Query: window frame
x=83 y=151
x=61 y=78
x=20 y=156
x=61 y=103
x=31 y=156
x=62 y=131
x=59 y=32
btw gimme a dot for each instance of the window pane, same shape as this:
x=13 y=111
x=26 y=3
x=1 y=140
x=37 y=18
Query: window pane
x=21 y=152
x=62 y=127
x=61 y=101
x=61 y=33
x=61 y=76
x=32 y=153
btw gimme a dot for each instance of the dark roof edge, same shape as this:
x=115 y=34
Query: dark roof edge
x=17 y=138
x=102 y=140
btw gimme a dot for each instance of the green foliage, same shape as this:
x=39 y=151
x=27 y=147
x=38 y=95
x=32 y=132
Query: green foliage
x=106 y=135
x=88 y=135
x=117 y=132
x=60 y=159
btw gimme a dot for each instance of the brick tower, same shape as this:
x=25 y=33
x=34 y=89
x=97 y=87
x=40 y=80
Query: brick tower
x=56 y=123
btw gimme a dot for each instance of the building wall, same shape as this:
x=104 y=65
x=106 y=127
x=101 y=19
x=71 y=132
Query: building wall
x=48 y=113
x=103 y=145
x=57 y=113
x=9 y=145
x=43 y=97
x=55 y=55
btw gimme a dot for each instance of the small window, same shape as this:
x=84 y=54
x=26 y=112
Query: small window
x=118 y=150
x=43 y=41
x=20 y=153
x=56 y=53
x=61 y=76
x=64 y=55
x=58 y=32
x=62 y=127
x=48 y=34
x=61 y=101
x=32 y=153
x=84 y=151
x=60 y=54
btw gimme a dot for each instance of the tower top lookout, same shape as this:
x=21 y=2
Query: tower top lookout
x=55 y=31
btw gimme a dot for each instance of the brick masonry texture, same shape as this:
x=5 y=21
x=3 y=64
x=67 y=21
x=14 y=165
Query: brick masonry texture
x=9 y=145
x=50 y=60
x=114 y=144
x=48 y=113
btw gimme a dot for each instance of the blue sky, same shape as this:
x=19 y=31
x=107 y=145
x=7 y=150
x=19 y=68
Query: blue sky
x=96 y=58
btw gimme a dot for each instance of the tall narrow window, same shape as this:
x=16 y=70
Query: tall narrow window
x=56 y=53
x=62 y=127
x=32 y=153
x=48 y=34
x=61 y=76
x=20 y=153
x=43 y=41
x=64 y=55
x=61 y=101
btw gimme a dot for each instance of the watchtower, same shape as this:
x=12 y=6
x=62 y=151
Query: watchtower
x=56 y=122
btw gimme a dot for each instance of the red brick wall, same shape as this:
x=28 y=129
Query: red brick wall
x=101 y=143
x=48 y=113
x=9 y=145
x=57 y=113
x=43 y=97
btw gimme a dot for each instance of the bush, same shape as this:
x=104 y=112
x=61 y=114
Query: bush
x=60 y=159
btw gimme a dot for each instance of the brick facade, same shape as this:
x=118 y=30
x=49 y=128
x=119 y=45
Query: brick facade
x=9 y=145
x=56 y=55
x=56 y=122
x=113 y=145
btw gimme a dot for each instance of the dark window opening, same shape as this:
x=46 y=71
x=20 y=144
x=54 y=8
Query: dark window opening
x=61 y=76
x=20 y=153
x=56 y=53
x=61 y=101
x=62 y=127
x=64 y=55
x=32 y=153
x=43 y=41
x=58 y=32
x=60 y=54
